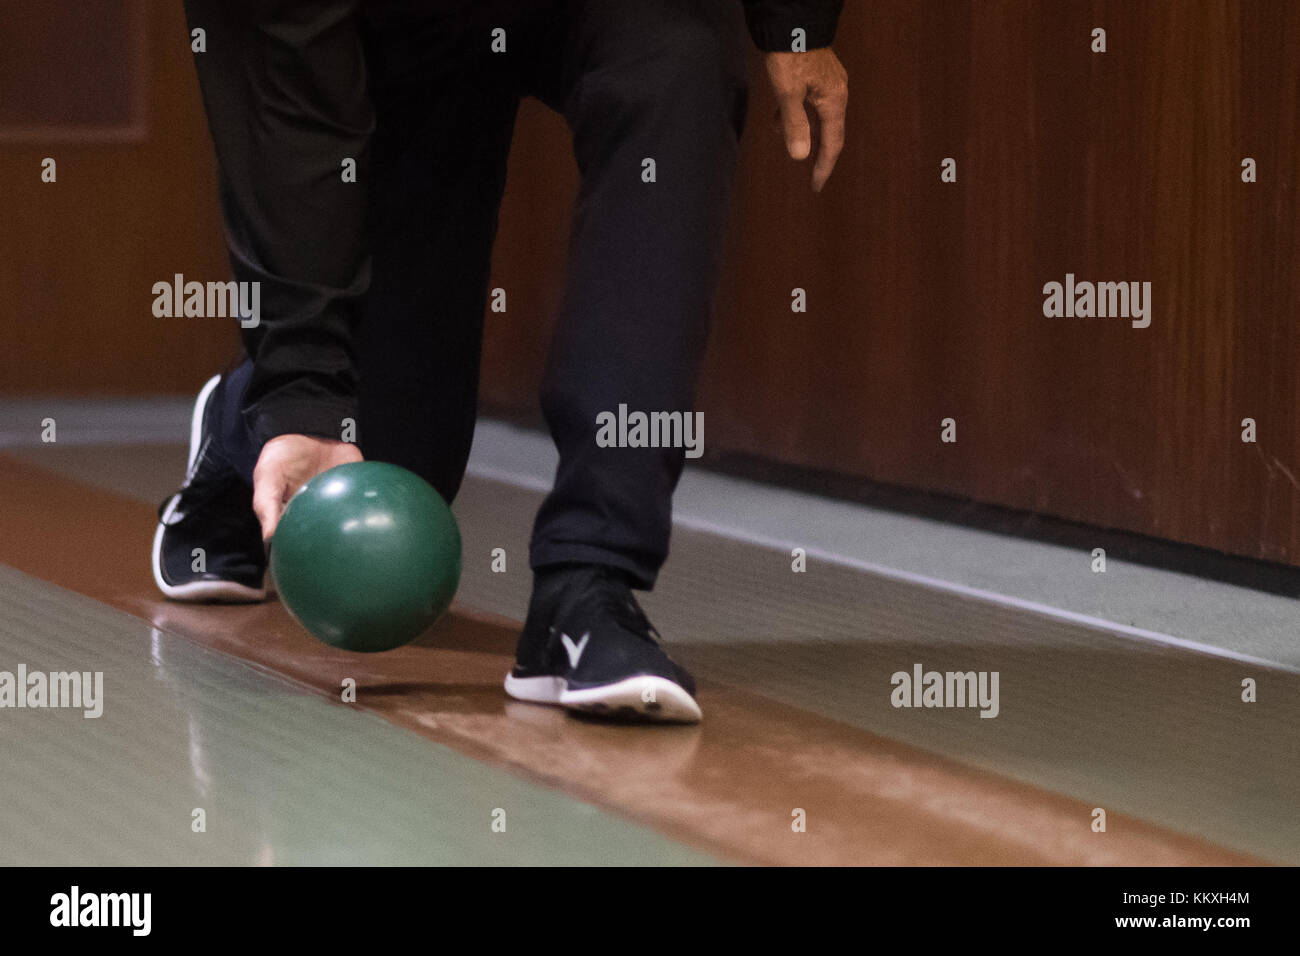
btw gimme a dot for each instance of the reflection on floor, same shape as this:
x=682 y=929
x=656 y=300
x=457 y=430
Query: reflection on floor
x=278 y=776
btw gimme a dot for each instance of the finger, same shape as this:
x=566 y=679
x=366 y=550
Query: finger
x=830 y=116
x=268 y=502
x=794 y=126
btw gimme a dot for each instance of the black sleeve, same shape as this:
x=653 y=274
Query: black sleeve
x=283 y=87
x=771 y=21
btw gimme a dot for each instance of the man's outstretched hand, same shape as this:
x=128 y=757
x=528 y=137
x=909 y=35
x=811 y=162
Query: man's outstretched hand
x=286 y=464
x=814 y=79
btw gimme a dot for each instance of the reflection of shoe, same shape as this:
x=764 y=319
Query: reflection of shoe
x=588 y=646
x=209 y=525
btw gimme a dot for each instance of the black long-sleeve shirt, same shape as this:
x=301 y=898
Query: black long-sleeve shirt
x=771 y=22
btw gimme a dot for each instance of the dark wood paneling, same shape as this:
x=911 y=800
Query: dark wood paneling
x=926 y=298
x=133 y=205
x=528 y=260
x=73 y=72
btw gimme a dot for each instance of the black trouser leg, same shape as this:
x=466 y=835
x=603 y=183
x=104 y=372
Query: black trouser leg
x=664 y=80
x=443 y=118
x=445 y=113
x=284 y=88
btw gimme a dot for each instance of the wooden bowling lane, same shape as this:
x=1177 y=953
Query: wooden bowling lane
x=731 y=786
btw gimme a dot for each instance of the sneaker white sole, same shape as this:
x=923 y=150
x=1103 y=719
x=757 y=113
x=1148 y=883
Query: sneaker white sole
x=200 y=592
x=204 y=592
x=535 y=690
x=639 y=698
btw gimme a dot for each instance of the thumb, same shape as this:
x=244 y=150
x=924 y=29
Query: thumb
x=794 y=126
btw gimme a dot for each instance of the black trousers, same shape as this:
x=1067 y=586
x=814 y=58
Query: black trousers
x=415 y=93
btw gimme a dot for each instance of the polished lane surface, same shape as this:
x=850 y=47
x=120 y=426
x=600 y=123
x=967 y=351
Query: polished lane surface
x=274 y=774
x=733 y=787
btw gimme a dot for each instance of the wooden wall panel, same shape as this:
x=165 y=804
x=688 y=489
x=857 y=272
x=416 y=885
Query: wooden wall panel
x=134 y=204
x=528 y=261
x=76 y=76
x=925 y=298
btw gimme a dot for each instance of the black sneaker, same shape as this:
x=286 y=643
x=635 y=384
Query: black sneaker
x=213 y=511
x=588 y=646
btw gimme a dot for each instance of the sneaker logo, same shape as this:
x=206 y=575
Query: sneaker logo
x=574 y=650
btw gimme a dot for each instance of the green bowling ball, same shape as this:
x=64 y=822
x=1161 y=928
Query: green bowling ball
x=366 y=556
